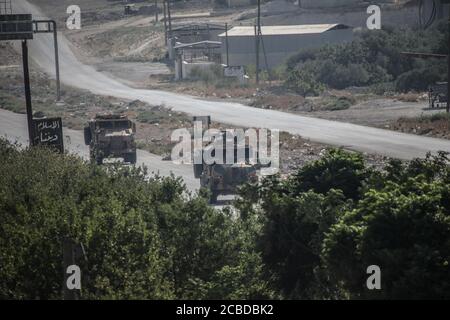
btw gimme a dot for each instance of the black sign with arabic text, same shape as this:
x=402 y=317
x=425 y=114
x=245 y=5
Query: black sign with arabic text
x=48 y=132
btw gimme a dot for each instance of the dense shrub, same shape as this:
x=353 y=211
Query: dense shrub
x=145 y=238
x=375 y=57
x=311 y=235
x=322 y=227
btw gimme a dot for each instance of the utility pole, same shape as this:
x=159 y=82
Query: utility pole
x=257 y=53
x=165 y=21
x=26 y=77
x=170 y=19
x=257 y=35
x=55 y=44
x=226 y=44
x=156 y=10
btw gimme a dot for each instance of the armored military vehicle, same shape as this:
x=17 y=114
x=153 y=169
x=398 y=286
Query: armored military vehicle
x=111 y=135
x=222 y=178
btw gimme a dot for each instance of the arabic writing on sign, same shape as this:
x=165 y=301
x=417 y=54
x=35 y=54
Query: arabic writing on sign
x=48 y=125
x=48 y=137
x=48 y=131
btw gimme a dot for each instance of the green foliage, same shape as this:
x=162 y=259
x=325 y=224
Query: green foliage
x=375 y=57
x=403 y=227
x=339 y=103
x=145 y=238
x=338 y=170
x=439 y=116
x=303 y=82
x=311 y=235
x=322 y=227
x=210 y=75
x=419 y=79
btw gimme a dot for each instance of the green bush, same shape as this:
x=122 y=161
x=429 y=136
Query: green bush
x=375 y=57
x=302 y=82
x=340 y=103
x=403 y=227
x=418 y=79
x=209 y=75
x=322 y=227
x=145 y=238
x=311 y=235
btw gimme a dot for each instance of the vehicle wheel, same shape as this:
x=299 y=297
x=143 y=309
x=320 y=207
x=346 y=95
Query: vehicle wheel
x=198 y=170
x=87 y=136
x=213 y=198
x=131 y=158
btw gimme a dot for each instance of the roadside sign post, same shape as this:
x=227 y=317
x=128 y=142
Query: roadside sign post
x=20 y=27
x=26 y=80
x=48 y=132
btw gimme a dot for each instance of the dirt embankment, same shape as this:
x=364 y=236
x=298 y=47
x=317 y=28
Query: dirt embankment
x=436 y=125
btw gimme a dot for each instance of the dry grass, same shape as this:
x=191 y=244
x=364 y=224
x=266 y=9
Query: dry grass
x=436 y=125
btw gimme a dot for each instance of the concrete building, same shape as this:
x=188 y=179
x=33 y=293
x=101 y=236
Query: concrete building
x=279 y=42
x=201 y=55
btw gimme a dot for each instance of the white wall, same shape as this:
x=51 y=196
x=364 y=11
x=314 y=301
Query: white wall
x=187 y=67
x=278 y=48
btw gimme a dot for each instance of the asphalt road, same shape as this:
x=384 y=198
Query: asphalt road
x=13 y=126
x=350 y=136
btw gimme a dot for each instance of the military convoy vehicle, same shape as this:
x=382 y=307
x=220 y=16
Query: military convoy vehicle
x=111 y=135
x=224 y=179
x=437 y=94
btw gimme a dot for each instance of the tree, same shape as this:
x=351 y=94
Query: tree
x=303 y=82
x=403 y=227
x=296 y=213
x=337 y=169
x=145 y=237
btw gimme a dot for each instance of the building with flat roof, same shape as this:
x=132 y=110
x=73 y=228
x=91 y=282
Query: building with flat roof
x=278 y=42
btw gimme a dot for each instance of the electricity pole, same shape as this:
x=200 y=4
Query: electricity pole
x=257 y=35
x=170 y=19
x=165 y=21
x=226 y=43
